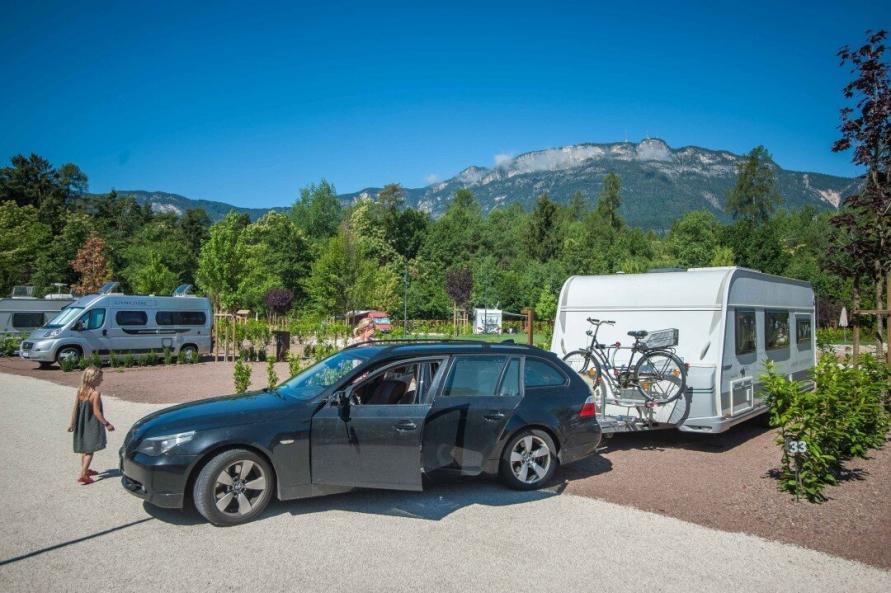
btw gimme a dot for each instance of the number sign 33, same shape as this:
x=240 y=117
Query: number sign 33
x=796 y=447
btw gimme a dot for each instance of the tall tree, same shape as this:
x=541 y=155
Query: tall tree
x=543 y=236
x=219 y=267
x=865 y=218
x=318 y=211
x=33 y=180
x=610 y=200
x=92 y=265
x=22 y=238
x=754 y=196
x=693 y=239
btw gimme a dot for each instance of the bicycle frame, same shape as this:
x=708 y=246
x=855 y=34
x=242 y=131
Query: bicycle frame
x=607 y=360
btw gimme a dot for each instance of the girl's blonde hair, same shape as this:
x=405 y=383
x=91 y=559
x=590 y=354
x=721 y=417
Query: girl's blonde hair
x=89 y=380
x=362 y=325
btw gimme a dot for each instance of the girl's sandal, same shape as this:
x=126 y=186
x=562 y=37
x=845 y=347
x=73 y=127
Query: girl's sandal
x=92 y=472
x=85 y=480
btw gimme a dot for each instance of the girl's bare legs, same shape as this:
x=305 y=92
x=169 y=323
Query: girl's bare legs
x=85 y=464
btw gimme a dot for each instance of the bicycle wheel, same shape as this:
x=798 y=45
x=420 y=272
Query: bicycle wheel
x=660 y=376
x=579 y=361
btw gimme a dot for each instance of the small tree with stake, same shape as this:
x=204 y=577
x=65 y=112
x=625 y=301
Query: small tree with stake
x=459 y=286
x=864 y=222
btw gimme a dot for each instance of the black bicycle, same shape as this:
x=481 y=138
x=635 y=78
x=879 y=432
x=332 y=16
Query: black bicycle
x=659 y=375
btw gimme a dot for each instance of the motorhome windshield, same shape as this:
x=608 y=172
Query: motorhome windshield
x=64 y=317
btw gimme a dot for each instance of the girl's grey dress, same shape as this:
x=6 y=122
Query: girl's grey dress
x=89 y=434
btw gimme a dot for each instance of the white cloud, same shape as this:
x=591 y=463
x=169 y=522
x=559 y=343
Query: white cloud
x=431 y=179
x=503 y=159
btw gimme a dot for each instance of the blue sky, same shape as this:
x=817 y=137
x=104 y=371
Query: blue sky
x=246 y=103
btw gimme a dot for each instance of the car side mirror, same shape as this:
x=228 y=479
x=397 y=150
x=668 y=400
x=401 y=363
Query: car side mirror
x=339 y=399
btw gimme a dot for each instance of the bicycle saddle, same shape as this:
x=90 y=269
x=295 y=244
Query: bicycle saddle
x=637 y=335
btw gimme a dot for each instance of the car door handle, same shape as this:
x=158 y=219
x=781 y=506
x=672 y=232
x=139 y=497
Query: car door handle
x=405 y=426
x=104 y=332
x=493 y=417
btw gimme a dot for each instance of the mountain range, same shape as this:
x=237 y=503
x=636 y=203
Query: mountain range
x=659 y=183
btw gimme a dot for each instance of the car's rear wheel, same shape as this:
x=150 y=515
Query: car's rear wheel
x=234 y=487
x=529 y=460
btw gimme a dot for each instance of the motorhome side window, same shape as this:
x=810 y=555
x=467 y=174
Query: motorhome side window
x=180 y=318
x=93 y=319
x=745 y=332
x=123 y=318
x=803 y=332
x=776 y=329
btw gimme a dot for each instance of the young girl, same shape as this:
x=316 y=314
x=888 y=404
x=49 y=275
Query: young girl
x=87 y=422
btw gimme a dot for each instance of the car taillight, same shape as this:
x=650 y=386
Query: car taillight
x=589 y=408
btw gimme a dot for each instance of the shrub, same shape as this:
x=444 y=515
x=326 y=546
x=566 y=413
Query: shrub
x=271 y=376
x=168 y=355
x=261 y=355
x=10 y=345
x=193 y=357
x=180 y=357
x=83 y=363
x=67 y=365
x=129 y=360
x=113 y=359
x=844 y=417
x=294 y=364
x=94 y=360
x=242 y=376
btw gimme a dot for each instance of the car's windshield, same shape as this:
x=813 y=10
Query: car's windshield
x=63 y=317
x=324 y=374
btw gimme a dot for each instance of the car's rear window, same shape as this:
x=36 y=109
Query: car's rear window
x=539 y=373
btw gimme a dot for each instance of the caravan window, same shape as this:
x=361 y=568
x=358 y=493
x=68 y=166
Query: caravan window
x=803 y=332
x=776 y=329
x=123 y=318
x=26 y=320
x=180 y=318
x=745 y=332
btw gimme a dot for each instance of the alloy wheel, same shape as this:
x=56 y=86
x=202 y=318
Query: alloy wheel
x=239 y=487
x=530 y=459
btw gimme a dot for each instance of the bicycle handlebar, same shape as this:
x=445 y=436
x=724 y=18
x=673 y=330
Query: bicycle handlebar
x=600 y=322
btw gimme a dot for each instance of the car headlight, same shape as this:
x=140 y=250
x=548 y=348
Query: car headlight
x=155 y=446
x=53 y=333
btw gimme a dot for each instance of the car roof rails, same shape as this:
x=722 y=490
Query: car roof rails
x=183 y=290
x=443 y=341
x=110 y=288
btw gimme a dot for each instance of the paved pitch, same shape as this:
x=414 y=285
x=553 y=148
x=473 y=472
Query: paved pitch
x=471 y=536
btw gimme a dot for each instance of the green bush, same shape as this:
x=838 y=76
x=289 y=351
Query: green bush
x=294 y=364
x=114 y=360
x=242 y=376
x=82 y=363
x=168 y=355
x=842 y=418
x=94 y=360
x=271 y=376
x=180 y=357
x=129 y=360
x=67 y=365
x=193 y=357
x=10 y=345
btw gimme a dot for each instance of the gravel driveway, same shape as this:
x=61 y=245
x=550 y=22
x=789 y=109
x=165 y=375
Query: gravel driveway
x=469 y=536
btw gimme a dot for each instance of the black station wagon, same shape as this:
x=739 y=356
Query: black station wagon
x=379 y=415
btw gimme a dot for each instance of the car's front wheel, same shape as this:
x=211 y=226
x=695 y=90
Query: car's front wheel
x=234 y=487
x=529 y=460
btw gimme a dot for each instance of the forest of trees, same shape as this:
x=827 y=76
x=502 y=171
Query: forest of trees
x=322 y=258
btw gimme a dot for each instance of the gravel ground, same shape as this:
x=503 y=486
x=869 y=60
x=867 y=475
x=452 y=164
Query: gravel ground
x=719 y=481
x=473 y=535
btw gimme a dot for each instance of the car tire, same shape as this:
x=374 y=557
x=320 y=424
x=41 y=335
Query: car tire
x=72 y=352
x=188 y=351
x=250 y=487
x=521 y=461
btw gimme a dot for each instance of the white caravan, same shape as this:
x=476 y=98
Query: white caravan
x=730 y=321
x=22 y=312
x=124 y=324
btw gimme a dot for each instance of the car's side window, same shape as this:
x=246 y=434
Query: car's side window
x=539 y=373
x=510 y=382
x=398 y=385
x=474 y=376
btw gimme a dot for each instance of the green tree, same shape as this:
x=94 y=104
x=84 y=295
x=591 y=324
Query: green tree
x=578 y=206
x=220 y=268
x=543 y=234
x=318 y=211
x=754 y=196
x=280 y=249
x=342 y=276
x=694 y=238
x=722 y=257
x=610 y=201
x=33 y=181
x=22 y=238
x=152 y=277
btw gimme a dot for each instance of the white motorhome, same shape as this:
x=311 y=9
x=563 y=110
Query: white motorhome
x=124 y=324
x=22 y=312
x=730 y=321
